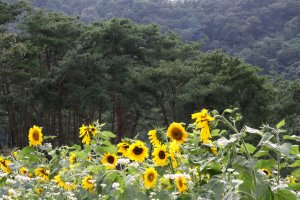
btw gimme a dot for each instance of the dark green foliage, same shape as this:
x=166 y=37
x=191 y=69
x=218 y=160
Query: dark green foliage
x=264 y=32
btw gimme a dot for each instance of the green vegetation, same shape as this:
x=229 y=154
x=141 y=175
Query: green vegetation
x=264 y=32
x=60 y=73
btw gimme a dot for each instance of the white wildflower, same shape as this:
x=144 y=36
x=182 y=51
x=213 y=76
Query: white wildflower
x=116 y=186
x=103 y=185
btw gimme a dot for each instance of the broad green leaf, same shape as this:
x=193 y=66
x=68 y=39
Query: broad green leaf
x=252 y=130
x=295 y=164
x=294 y=186
x=108 y=134
x=294 y=150
x=296 y=173
x=285 y=149
x=107 y=149
x=77 y=147
x=227 y=111
x=280 y=124
x=261 y=153
x=265 y=164
x=2 y=181
x=292 y=137
x=284 y=194
x=215 y=132
x=249 y=147
x=266 y=137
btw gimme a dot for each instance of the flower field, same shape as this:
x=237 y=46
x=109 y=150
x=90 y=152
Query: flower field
x=209 y=159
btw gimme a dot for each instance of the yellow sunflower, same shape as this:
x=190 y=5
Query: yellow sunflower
x=41 y=172
x=137 y=151
x=181 y=184
x=267 y=171
x=23 y=170
x=72 y=159
x=4 y=165
x=39 y=190
x=160 y=156
x=85 y=133
x=109 y=160
x=66 y=185
x=202 y=121
x=92 y=129
x=150 y=177
x=35 y=136
x=177 y=133
x=153 y=138
x=88 y=183
x=123 y=147
x=291 y=179
x=214 y=150
x=164 y=183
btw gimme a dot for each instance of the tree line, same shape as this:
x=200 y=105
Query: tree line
x=59 y=73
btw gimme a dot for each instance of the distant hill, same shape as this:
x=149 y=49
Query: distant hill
x=266 y=33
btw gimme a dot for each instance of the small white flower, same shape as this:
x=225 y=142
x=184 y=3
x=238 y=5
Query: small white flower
x=116 y=186
x=11 y=181
x=134 y=164
x=103 y=185
x=152 y=194
x=230 y=170
x=123 y=161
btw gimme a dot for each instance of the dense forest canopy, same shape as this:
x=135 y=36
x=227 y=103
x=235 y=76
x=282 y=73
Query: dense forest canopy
x=59 y=72
x=263 y=32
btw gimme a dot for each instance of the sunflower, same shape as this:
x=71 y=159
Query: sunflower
x=84 y=132
x=137 y=151
x=150 y=177
x=177 y=133
x=72 y=159
x=181 y=184
x=92 y=129
x=4 y=165
x=88 y=183
x=123 y=147
x=291 y=179
x=39 y=190
x=23 y=170
x=174 y=150
x=109 y=160
x=267 y=171
x=164 y=183
x=202 y=121
x=213 y=150
x=153 y=138
x=35 y=136
x=62 y=184
x=41 y=172
x=200 y=117
x=160 y=156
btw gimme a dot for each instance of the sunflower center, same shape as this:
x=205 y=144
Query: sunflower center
x=162 y=155
x=138 y=150
x=151 y=177
x=110 y=159
x=3 y=163
x=177 y=134
x=266 y=172
x=36 y=135
x=180 y=182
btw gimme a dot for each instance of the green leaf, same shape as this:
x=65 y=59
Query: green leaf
x=265 y=164
x=292 y=137
x=215 y=132
x=107 y=149
x=2 y=181
x=294 y=186
x=252 y=130
x=77 y=147
x=261 y=153
x=285 y=149
x=280 y=124
x=296 y=173
x=250 y=148
x=295 y=164
x=108 y=134
x=284 y=195
x=266 y=137
x=294 y=150
x=227 y=111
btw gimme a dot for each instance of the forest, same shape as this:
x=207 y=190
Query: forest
x=60 y=72
x=265 y=33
